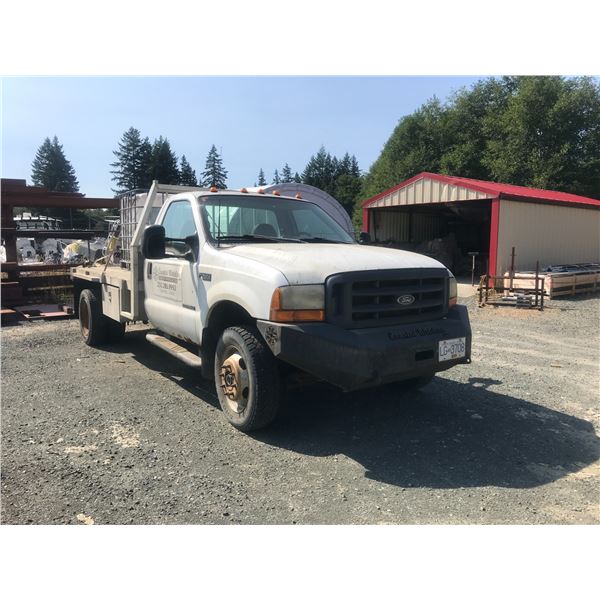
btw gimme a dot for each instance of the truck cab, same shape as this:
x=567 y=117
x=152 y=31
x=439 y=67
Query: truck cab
x=249 y=287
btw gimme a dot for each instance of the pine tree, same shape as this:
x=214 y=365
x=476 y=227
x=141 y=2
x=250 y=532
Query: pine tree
x=345 y=166
x=320 y=171
x=286 y=174
x=163 y=162
x=187 y=175
x=276 y=179
x=132 y=168
x=261 y=178
x=297 y=178
x=354 y=168
x=52 y=170
x=214 y=173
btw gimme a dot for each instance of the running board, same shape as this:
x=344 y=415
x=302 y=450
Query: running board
x=174 y=349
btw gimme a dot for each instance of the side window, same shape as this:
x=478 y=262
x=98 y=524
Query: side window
x=179 y=224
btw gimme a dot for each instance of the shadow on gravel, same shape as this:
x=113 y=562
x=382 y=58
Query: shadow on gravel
x=448 y=435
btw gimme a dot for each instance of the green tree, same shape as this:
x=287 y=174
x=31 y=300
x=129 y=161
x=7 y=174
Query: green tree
x=52 y=170
x=548 y=136
x=297 y=178
x=163 y=162
x=214 y=173
x=532 y=131
x=187 y=175
x=417 y=144
x=132 y=167
x=320 y=171
x=261 y=178
x=469 y=115
x=276 y=178
x=347 y=190
x=286 y=174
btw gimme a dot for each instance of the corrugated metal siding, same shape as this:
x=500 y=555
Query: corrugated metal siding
x=393 y=225
x=389 y=225
x=548 y=233
x=428 y=191
x=426 y=227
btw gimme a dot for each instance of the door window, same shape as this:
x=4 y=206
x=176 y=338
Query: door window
x=180 y=229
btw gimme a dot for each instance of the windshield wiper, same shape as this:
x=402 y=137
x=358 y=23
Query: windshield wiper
x=260 y=238
x=322 y=239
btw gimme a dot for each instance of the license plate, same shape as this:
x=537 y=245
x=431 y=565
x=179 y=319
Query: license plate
x=451 y=349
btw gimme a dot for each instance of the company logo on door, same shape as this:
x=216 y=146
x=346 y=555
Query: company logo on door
x=167 y=279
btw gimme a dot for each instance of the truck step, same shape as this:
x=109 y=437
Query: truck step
x=174 y=349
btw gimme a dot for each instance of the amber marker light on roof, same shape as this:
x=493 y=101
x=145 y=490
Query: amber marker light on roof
x=214 y=189
x=276 y=193
x=244 y=191
x=299 y=196
x=260 y=191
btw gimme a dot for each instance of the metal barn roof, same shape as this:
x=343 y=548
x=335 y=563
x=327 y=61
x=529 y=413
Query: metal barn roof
x=428 y=188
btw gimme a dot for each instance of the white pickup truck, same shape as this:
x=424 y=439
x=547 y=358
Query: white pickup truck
x=249 y=287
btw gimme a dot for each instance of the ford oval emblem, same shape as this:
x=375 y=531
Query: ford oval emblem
x=405 y=299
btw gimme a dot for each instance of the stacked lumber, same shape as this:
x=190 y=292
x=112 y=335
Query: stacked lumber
x=559 y=280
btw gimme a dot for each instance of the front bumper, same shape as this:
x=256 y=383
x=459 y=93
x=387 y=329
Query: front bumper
x=356 y=358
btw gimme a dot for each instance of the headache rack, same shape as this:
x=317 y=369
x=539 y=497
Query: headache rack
x=133 y=218
x=391 y=297
x=131 y=205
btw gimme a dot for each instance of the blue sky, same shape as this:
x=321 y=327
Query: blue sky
x=255 y=121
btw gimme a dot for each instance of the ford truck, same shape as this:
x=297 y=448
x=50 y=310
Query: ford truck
x=249 y=287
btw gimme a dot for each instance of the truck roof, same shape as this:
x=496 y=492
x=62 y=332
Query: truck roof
x=209 y=192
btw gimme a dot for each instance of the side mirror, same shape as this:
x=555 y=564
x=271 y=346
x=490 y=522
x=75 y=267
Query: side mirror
x=153 y=242
x=364 y=238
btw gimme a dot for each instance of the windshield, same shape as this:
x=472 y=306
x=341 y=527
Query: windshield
x=235 y=219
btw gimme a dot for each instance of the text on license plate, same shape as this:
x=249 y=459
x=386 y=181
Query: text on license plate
x=451 y=349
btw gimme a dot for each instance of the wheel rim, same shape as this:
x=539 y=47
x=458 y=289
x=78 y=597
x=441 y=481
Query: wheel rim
x=235 y=382
x=84 y=319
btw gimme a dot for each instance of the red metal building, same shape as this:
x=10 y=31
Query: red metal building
x=489 y=218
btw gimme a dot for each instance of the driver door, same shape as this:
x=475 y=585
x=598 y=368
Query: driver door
x=171 y=283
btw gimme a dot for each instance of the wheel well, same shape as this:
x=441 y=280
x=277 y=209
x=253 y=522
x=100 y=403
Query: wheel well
x=224 y=314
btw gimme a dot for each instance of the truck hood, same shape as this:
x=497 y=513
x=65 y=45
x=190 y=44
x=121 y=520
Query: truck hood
x=313 y=263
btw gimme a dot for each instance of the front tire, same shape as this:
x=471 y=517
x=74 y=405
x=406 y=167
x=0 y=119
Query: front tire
x=247 y=379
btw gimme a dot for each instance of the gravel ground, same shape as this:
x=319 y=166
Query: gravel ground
x=129 y=435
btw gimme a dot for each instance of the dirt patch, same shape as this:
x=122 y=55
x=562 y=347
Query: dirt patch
x=125 y=436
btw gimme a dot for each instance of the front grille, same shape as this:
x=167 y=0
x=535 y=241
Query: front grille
x=375 y=298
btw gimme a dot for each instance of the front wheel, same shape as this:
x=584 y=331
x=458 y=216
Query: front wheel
x=247 y=379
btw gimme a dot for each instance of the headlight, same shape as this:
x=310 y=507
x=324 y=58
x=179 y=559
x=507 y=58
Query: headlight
x=452 y=290
x=293 y=303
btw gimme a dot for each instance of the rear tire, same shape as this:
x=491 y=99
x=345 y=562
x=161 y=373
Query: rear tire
x=92 y=323
x=96 y=328
x=247 y=379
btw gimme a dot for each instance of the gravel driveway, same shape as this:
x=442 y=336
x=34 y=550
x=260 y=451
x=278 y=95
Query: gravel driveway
x=130 y=435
